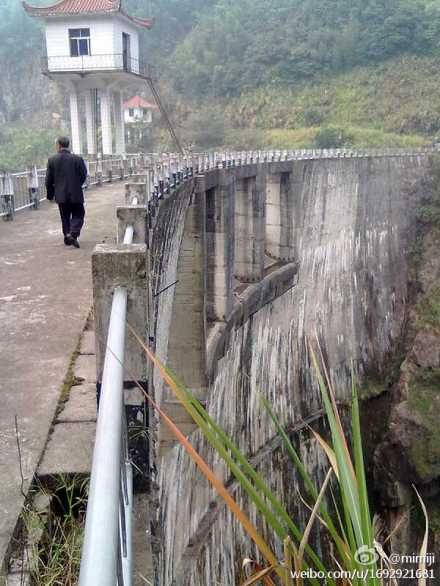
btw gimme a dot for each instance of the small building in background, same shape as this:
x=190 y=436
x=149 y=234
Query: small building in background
x=137 y=110
x=138 y=117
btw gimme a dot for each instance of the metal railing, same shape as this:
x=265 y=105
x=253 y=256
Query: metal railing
x=107 y=551
x=168 y=169
x=26 y=189
x=92 y=63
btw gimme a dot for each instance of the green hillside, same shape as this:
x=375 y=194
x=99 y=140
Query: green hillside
x=396 y=103
x=238 y=45
x=309 y=73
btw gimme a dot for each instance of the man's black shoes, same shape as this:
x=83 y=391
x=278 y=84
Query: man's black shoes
x=71 y=241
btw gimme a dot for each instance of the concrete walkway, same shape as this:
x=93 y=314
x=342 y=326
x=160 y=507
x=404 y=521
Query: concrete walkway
x=45 y=297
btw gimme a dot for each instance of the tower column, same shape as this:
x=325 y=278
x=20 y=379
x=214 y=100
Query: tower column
x=119 y=124
x=106 y=123
x=90 y=98
x=75 y=123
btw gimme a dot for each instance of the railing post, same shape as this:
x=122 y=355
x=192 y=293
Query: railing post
x=99 y=170
x=7 y=193
x=126 y=266
x=123 y=266
x=136 y=216
x=125 y=165
x=138 y=190
x=32 y=184
x=120 y=276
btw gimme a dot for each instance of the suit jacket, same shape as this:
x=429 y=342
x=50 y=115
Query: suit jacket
x=66 y=173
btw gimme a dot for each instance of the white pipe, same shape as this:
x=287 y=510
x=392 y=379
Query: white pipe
x=129 y=234
x=129 y=230
x=101 y=538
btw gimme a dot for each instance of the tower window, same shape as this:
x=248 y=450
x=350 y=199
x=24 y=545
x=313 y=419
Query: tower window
x=79 y=41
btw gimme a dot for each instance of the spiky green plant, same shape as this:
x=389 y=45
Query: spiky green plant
x=349 y=524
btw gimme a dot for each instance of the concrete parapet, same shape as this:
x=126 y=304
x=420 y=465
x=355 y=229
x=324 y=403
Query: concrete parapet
x=220 y=247
x=186 y=346
x=250 y=194
x=136 y=216
x=121 y=266
x=139 y=190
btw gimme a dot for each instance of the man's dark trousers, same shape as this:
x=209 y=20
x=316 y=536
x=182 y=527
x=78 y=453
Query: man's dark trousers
x=65 y=176
x=72 y=218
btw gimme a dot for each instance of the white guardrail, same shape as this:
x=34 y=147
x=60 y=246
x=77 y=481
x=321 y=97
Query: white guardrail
x=26 y=189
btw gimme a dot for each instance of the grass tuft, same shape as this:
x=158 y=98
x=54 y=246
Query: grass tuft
x=54 y=536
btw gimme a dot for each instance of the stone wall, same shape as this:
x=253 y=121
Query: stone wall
x=349 y=227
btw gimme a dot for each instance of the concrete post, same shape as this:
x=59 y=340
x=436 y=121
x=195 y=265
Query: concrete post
x=279 y=217
x=219 y=246
x=125 y=268
x=119 y=124
x=106 y=123
x=138 y=190
x=187 y=346
x=135 y=216
x=121 y=266
x=250 y=228
x=126 y=165
x=75 y=123
x=90 y=99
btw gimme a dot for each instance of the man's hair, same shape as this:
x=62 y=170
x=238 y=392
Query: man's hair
x=63 y=141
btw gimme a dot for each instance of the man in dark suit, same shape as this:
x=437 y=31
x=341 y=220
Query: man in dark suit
x=66 y=174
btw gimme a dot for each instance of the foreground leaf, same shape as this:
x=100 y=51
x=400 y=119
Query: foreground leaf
x=424 y=548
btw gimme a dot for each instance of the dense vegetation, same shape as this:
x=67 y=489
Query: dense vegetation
x=259 y=72
x=250 y=43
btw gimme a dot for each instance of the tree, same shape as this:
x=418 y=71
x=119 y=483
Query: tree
x=249 y=43
x=332 y=137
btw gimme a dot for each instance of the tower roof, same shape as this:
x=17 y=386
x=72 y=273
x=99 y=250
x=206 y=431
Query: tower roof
x=138 y=102
x=77 y=7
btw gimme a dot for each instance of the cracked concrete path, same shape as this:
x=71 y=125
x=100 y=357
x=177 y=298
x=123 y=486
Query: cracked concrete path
x=45 y=297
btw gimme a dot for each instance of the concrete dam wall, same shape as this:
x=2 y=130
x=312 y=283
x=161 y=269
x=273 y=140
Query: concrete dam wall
x=266 y=256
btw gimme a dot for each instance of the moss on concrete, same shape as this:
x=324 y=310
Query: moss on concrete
x=424 y=401
x=69 y=380
x=428 y=308
x=434 y=516
x=372 y=388
x=424 y=383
